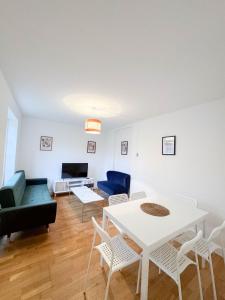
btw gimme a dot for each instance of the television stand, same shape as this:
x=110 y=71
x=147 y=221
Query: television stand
x=65 y=185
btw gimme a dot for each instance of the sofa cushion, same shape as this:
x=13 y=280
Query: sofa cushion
x=17 y=184
x=111 y=188
x=35 y=194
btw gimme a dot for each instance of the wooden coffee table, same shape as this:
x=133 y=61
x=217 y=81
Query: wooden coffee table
x=86 y=196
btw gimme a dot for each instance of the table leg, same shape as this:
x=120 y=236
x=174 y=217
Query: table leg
x=82 y=217
x=144 y=275
x=104 y=219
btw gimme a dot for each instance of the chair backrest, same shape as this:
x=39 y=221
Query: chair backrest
x=101 y=232
x=216 y=232
x=188 y=200
x=120 y=178
x=189 y=245
x=138 y=195
x=117 y=199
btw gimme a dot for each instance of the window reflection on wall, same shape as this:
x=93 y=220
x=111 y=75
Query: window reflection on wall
x=10 y=145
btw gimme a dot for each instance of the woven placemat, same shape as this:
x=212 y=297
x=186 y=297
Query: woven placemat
x=155 y=209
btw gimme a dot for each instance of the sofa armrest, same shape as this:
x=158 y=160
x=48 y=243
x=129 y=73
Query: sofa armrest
x=6 y=198
x=18 y=218
x=36 y=181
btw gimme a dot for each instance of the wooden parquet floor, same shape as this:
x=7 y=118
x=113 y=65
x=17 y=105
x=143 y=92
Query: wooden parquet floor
x=40 y=265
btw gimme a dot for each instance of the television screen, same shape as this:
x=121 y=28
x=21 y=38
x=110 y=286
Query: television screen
x=74 y=170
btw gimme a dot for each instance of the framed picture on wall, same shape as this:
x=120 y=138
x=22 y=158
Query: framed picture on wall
x=124 y=148
x=91 y=147
x=46 y=143
x=169 y=145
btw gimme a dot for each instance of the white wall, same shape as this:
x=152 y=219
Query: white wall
x=6 y=101
x=198 y=169
x=70 y=145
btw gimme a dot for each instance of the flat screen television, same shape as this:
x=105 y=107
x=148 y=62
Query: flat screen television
x=74 y=170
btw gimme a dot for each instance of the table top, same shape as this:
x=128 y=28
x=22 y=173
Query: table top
x=148 y=231
x=85 y=194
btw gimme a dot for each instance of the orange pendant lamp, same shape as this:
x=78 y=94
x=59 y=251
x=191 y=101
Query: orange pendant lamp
x=93 y=126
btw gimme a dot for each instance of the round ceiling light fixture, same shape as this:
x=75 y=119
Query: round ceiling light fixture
x=93 y=126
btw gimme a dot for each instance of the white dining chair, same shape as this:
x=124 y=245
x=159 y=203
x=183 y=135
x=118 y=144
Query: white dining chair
x=114 y=251
x=174 y=262
x=191 y=232
x=205 y=248
x=114 y=200
x=138 y=195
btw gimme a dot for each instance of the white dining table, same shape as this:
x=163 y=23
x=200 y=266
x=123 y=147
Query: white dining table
x=150 y=232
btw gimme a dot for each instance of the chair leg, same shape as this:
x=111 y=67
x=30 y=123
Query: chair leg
x=223 y=253
x=199 y=276
x=89 y=263
x=222 y=248
x=204 y=235
x=139 y=278
x=179 y=288
x=107 y=286
x=203 y=263
x=213 y=278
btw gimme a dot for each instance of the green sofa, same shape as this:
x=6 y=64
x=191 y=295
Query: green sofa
x=25 y=203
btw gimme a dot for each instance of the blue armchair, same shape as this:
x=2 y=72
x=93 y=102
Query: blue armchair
x=116 y=183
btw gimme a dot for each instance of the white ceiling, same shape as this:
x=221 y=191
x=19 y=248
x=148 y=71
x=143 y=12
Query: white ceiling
x=132 y=59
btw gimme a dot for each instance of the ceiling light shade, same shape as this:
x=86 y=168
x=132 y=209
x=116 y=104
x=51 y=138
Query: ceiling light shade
x=93 y=126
